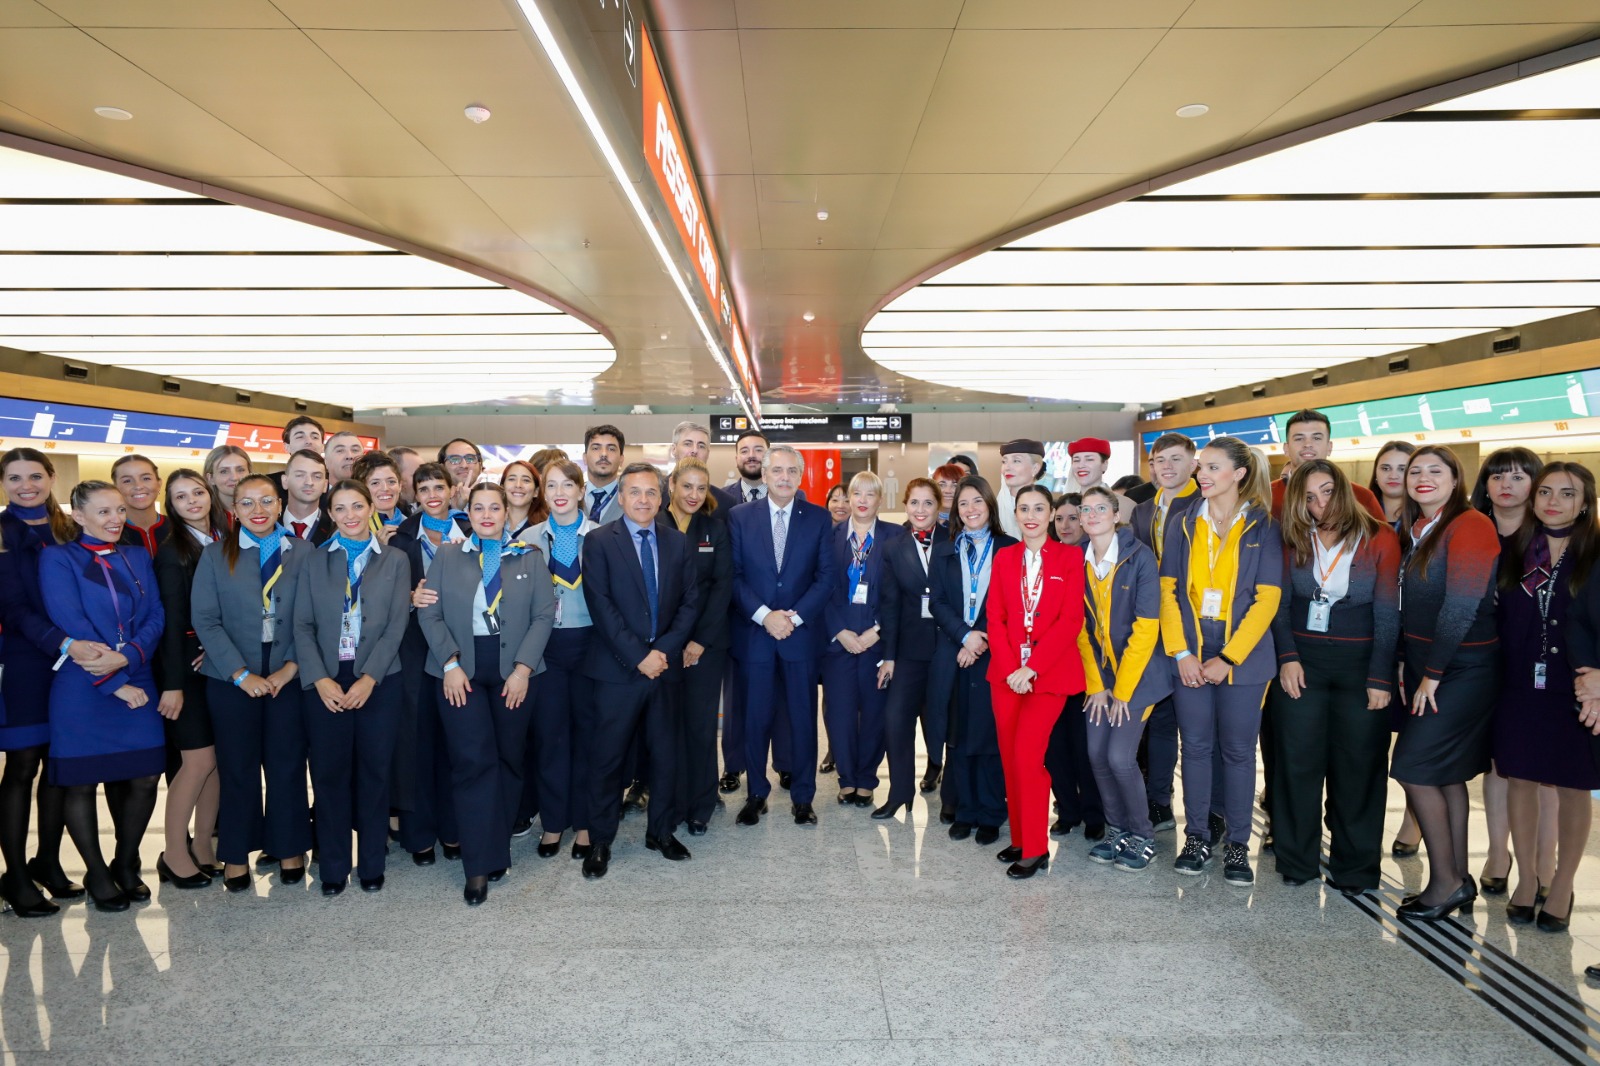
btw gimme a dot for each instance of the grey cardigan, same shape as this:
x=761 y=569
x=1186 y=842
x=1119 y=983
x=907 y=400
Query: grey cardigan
x=225 y=609
x=527 y=612
x=319 y=607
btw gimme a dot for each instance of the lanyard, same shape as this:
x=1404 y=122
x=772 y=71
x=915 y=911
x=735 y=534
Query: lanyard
x=111 y=587
x=923 y=552
x=975 y=564
x=495 y=584
x=1323 y=573
x=1542 y=598
x=1031 y=597
x=1101 y=590
x=858 y=558
x=266 y=588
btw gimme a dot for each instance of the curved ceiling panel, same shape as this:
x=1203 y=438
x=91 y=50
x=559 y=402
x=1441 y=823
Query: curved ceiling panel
x=1477 y=214
x=101 y=268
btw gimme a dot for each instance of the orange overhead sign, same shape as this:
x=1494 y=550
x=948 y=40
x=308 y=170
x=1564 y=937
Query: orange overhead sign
x=668 y=157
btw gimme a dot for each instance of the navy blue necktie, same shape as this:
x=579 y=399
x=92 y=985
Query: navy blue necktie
x=647 y=560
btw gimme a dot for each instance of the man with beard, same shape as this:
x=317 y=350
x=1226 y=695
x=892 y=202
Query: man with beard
x=749 y=449
x=602 y=459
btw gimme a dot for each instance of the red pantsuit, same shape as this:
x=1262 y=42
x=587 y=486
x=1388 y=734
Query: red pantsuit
x=1023 y=722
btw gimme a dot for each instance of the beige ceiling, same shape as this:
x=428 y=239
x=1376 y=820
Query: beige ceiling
x=924 y=127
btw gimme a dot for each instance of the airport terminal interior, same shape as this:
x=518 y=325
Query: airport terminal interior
x=894 y=235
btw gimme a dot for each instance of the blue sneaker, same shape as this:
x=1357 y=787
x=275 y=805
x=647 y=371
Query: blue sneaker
x=1136 y=853
x=1105 y=852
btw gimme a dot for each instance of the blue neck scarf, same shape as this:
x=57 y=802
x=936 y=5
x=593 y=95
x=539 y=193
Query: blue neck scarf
x=436 y=525
x=353 y=550
x=490 y=550
x=30 y=514
x=268 y=544
x=564 y=540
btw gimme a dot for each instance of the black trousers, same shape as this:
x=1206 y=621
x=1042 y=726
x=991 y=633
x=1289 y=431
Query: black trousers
x=697 y=736
x=256 y=737
x=352 y=756
x=486 y=741
x=432 y=816
x=560 y=727
x=1071 y=774
x=615 y=714
x=908 y=701
x=1329 y=745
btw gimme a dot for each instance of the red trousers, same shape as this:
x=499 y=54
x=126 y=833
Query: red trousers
x=1023 y=724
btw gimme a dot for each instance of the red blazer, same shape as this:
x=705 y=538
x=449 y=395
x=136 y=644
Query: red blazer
x=1056 y=623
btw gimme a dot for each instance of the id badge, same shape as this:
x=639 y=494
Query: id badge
x=1211 y=604
x=559 y=601
x=347 y=640
x=860 y=594
x=927 y=612
x=492 y=621
x=707 y=548
x=1319 y=614
x=1539 y=676
x=1026 y=653
x=269 y=627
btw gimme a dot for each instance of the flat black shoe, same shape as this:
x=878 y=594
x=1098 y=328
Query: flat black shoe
x=1295 y=882
x=1096 y=831
x=30 y=905
x=550 y=850
x=947 y=815
x=1351 y=891
x=1460 y=899
x=424 y=858
x=1061 y=827
x=671 y=848
x=451 y=851
x=1011 y=854
x=827 y=766
x=292 y=875
x=265 y=861
x=1401 y=850
x=581 y=851
x=697 y=829
x=986 y=835
x=863 y=799
x=846 y=798
x=1026 y=868
x=803 y=814
x=496 y=876
x=55 y=881
x=372 y=884
x=521 y=828
x=238 y=882
x=889 y=810
x=1549 y=923
x=333 y=888
x=729 y=783
x=960 y=830
x=598 y=862
x=166 y=876
x=785 y=779
x=1493 y=886
x=931 y=779
x=751 y=812
x=475 y=894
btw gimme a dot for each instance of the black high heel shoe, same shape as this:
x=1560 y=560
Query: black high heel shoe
x=1401 y=850
x=846 y=798
x=889 y=810
x=550 y=850
x=1026 y=868
x=54 y=880
x=581 y=851
x=36 y=908
x=1549 y=923
x=1009 y=854
x=128 y=880
x=238 y=882
x=292 y=875
x=166 y=876
x=1494 y=886
x=476 y=891
x=113 y=903
x=212 y=870
x=1461 y=899
x=425 y=857
x=452 y=851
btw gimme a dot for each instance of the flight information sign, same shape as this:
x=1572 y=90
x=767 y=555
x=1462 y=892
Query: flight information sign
x=819 y=428
x=100 y=425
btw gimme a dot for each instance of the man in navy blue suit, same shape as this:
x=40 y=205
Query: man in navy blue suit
x=749 y=449
x=783 y=573
x=639 y=583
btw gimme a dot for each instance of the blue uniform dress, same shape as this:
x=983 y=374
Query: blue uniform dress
x=31 y=638
x=104 y=593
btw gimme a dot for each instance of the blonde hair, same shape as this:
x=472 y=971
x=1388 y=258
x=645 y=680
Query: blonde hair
x=710 y=505
x=1256 y=488
x=867 y=479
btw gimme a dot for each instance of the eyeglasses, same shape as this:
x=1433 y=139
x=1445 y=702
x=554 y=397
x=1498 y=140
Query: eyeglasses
x=250 y=503
x=461 y=460
x=1101 y=509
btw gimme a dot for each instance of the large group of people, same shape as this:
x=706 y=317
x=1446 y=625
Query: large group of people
x=367 y=646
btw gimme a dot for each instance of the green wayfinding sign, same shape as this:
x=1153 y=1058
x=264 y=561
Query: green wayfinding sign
x=1553 y=398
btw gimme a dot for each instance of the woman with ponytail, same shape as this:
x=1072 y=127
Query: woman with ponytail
x=1221 y=578
x=487 y=633
x=242 y=610
x=32 y=521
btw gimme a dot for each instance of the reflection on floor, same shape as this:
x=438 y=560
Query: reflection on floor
x=852 y=942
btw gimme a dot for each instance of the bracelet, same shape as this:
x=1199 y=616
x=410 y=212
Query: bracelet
x=238 y=682
x=65 y=644
x=453 y=664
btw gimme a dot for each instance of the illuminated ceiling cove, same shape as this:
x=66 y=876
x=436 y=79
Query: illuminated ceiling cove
x=104 y=269
x=1473 y=215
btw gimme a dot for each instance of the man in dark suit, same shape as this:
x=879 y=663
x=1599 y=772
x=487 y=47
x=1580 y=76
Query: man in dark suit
x=639 y=583
x=305 y=483
x=749 y=449
x=783 y=573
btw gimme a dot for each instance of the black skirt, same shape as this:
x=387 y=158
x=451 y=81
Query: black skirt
x=1452 y=746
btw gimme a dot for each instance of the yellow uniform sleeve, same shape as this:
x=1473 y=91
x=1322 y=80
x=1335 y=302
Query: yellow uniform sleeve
x=1172 y=635
x=1135 y=657
x=1257 y=620
x=1091 y=668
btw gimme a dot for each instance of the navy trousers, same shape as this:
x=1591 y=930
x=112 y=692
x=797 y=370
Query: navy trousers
x=771 y=688
x=697 y=738
x=432 y=817
x=908 y=700
x=561 y=725
x=615 y=714
x=486 y=740
x=1161 y=752
x=854 y=712
x=1225 y=721
x=1071 y=773
x=256 y=737
x=352 y=755
x=974 y=759
x=734 y=760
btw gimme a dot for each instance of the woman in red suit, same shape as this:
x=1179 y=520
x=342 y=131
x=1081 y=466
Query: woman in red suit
x=1035 y=607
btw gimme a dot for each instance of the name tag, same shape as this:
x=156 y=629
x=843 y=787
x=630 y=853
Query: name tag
x=1026 y=652
x=707 y=548
x=1211 y=604
x=1318 y=616
x=269 y=627
x=860 y=594
x=1539 y=676
x=559 y=601
x=347 y=638
x=492 y=621
x=927 y=612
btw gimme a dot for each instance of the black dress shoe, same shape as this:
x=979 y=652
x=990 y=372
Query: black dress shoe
x=372 y=884
x=670 y=848
x=804 y=815
x=129 y=882
x=496 y=876
x=1352 y=891
x=1062 y=827
x=265 y=861
x=598 y=862
x=986 y=835
x=1549 y=923
x=476 y=892
x=889 y=810
x=1493 y=886
x=1517 y=914
x=729 y=783
x=1267 y=843
x=1026 y=868
x=451 y=851
x=1416 y=909
x=333 y=888
x=521 y=828
x=166 y=876
x=238 y=882
x=637 y=799
x=550 y=850
x=960 y=830
x=751 y=812
x=54 y=880
x=1401 y=850
x=846 y=798
x=1011 y=854
x=292 y=875
x=697 y=829
x=424 y=858
x=947 y=815
x=112 y=904
x=862 y=798
x=827 y=766
x=1293 y=881
x=1097 y=831
x=581 y=851
x=785 y=779
x=931 y=778
x=31 y=904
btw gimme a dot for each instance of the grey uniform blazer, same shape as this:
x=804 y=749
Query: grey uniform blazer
x=319 y=609
x=225 y=609
x=527 y=610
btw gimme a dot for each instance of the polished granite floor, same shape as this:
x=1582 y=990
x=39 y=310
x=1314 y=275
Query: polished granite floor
x=851 y=942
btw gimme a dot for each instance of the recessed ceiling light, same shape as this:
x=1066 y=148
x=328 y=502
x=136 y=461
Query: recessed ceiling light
x=822 y=216
x=1192 y=110
x=809 y=316
x=477 y=114
x=115 y=114
x=664 y=336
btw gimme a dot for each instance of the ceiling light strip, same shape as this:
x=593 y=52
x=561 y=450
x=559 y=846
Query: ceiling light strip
x=569 y=78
